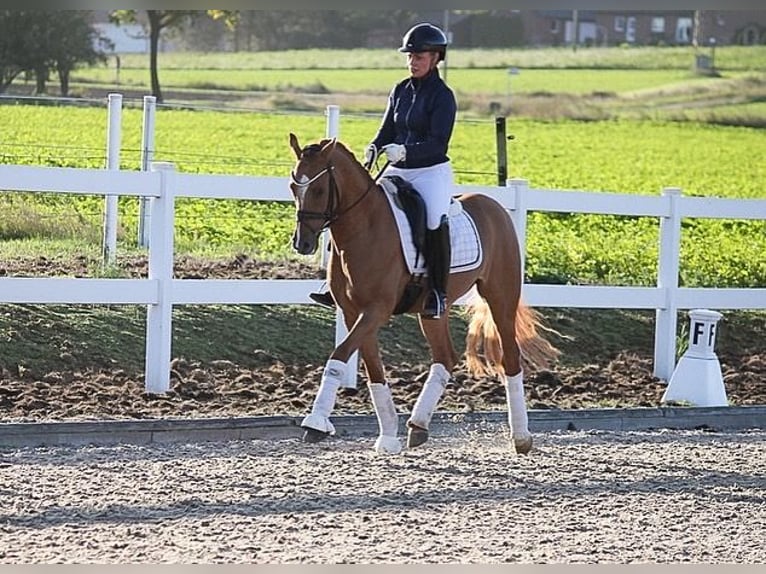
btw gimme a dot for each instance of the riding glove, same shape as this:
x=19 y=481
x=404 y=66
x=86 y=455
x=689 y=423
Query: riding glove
x=370 y=154
x=395 y=152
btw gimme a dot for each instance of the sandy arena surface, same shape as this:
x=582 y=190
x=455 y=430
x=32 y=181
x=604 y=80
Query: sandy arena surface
x=579 y=497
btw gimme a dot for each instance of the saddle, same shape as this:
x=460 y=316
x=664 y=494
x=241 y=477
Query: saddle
x=414 y=207
x=409 y=200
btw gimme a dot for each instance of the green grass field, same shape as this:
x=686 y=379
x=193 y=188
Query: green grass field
x=595 y=83
x=637 y=58
x=465 y=81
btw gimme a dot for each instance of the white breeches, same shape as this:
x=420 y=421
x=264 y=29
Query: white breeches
x=434 y=183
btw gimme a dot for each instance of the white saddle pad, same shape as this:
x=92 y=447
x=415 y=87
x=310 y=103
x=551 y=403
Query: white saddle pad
x=467 y=253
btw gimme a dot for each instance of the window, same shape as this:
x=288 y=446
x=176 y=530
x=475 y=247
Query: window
x=554 y=26
x=630 y=29
x=684 y=30
x=658 y=25
x=619 y=23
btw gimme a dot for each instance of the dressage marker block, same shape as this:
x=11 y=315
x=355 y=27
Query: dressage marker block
x=697 y=378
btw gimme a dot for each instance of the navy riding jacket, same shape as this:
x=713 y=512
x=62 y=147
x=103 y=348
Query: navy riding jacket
x=420 y=114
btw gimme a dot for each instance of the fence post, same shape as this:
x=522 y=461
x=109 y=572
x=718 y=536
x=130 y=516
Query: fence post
x=147 y=155
x=113 y=136
x=502 y=151
x=519 y=189
x=159 y=316
x=667 y=280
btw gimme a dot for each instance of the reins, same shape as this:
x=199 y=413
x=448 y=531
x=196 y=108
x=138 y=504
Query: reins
x=331 y=212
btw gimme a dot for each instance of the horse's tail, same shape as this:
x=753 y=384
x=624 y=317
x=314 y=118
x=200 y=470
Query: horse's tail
x=484 y=336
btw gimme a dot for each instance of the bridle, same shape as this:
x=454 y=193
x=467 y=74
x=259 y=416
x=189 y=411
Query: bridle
x=332 y=211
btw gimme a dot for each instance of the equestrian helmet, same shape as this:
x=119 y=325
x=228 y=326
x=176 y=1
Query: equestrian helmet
x=425 y=38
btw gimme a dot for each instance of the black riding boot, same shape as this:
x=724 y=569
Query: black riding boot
x=439 y=258
x=323 y=298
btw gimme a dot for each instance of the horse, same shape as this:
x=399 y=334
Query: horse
x=368 y=277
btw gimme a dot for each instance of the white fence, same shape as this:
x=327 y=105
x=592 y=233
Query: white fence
x=160 y=291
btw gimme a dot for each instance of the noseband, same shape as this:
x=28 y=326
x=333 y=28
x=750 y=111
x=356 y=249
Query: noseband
x=332 y=211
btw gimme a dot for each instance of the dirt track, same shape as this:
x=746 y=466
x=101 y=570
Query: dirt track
x=580 y=497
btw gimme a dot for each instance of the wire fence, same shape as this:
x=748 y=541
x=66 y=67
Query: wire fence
x=70 y=213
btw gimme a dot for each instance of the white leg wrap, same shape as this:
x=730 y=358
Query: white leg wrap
x=319 y=419
x=517 y=407
x=432 y=391
x=388 y=420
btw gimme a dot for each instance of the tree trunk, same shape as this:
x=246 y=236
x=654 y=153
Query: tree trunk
x=41 y=77
x=64 y=81
x=155 y=27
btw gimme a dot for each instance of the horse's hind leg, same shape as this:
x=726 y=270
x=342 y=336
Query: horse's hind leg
x=503 y=308
x=444 y=359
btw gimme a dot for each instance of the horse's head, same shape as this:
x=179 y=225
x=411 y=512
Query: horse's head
x=327 y=182
x=312 y=183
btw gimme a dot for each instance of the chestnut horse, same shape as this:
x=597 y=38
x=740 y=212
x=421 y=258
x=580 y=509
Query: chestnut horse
x=367 y=275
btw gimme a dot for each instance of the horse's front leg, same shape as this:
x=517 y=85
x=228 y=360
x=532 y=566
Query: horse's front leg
x=382 y=401
x=317 y=424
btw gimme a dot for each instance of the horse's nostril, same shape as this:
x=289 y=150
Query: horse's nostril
x=305 y=247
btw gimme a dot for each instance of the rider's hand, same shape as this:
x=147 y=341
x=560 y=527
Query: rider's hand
x=395 y=152
x=370 y=154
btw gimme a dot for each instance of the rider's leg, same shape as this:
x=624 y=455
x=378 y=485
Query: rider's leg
x=436 y=186
x=438 y=257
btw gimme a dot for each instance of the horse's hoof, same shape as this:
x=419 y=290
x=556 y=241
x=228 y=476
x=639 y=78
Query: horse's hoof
x=313 y=435
x=523 y=445
x=388 y=445
x=416 y=436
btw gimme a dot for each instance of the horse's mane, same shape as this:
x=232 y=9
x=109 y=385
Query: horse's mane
x=315 y=148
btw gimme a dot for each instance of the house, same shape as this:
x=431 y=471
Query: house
x=611 y=28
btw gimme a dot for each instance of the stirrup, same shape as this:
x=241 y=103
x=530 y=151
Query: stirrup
x=324 y=299
x=435 y=305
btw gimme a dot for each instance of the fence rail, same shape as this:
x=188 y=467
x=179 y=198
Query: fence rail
x=160 y=291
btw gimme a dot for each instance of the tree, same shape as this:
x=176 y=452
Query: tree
x=15 y=46
x=40 y=40
x=76 y=42
x=158 y=20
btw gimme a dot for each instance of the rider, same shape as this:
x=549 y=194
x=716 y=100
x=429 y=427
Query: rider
x=414 y=135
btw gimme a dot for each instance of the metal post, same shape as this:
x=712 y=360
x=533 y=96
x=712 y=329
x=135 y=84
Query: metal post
x=448 y=34
x=502 y=152
x=332 y=130
x=147 y=156
x=519 y=189
x=113 y=135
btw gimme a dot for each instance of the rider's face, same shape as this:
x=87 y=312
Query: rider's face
x=420 y=63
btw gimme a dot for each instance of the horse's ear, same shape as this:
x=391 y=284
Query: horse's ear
x=295 y=145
